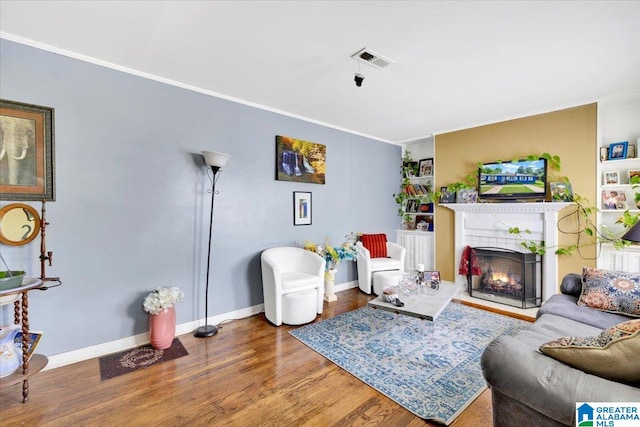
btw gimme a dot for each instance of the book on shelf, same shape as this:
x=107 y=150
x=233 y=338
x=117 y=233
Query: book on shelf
x=417 y=190
x=32 y=342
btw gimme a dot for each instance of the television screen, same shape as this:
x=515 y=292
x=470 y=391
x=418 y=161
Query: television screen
x=515 y=180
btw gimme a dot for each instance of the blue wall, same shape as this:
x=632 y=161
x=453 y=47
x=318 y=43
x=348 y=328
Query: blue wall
x=132 y=206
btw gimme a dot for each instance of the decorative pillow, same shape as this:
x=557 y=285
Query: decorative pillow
x=612 y=355
x=613 y=291
x=376 y=244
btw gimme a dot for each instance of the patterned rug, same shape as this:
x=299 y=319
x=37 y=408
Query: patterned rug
x=127 y=361
x=430 y=368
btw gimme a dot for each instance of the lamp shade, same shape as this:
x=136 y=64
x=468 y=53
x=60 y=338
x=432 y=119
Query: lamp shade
x=215 y=159
x=633 y=235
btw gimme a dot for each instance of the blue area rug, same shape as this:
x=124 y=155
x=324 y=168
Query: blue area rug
x=430 y=368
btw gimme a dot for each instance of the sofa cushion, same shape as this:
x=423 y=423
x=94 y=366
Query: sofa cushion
x=612 y=291
x=376 y=244
x=611 y=355
x=566 y=306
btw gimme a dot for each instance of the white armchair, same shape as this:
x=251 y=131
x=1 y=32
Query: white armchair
x=367 y=265
x=292 y=285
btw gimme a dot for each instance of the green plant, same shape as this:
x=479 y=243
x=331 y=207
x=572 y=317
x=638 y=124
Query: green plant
x=581 y=218
x=584 y=225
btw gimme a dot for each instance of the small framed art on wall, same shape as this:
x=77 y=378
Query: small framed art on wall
x=302 y=208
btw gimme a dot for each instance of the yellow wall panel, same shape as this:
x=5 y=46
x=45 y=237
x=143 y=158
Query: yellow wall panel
x=570 y=134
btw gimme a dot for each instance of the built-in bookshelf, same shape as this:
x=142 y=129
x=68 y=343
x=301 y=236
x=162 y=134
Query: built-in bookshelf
x=619 y=140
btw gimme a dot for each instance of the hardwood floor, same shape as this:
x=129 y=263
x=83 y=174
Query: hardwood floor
x=250 y=374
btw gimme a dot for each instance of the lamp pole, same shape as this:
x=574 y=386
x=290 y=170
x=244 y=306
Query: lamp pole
x=209 y=330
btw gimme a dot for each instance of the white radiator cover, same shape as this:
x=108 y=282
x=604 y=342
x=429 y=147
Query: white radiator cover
x=620 y=260
x=420 y=249
x=487 y=224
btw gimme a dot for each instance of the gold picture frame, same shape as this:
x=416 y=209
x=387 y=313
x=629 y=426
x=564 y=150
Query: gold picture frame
x=26 y=152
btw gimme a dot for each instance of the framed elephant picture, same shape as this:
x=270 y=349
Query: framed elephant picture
x=26 y=152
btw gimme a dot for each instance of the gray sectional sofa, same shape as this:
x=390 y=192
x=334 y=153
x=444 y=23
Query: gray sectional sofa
x=530 y=388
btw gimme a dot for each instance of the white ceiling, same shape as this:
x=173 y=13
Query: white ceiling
x=458 y=64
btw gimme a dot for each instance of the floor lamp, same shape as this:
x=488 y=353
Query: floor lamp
x=215 y=161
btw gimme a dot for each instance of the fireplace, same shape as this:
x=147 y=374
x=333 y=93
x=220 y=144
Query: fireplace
x=506 y=276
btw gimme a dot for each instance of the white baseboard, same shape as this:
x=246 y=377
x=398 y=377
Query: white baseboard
x=347 y=285
x=62 y=359
x=99 y=350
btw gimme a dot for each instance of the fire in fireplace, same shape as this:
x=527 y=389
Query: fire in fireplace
x=507 y=277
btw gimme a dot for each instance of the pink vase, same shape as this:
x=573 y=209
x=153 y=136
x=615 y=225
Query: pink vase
x=162 y=328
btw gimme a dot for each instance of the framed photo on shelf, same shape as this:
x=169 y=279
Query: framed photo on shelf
x=467 y=195
x=561 y=192
x=301 y=208
x=412 y=206
x=27 y=160
x=425 y=167
x=612 y=177
x=614 y=200
x=447 y=196
x=634 y=176
x=618 y=150
x=604 y=154
x=424 y=222
x=631 y=151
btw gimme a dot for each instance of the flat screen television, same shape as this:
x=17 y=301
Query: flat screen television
x=513 y=181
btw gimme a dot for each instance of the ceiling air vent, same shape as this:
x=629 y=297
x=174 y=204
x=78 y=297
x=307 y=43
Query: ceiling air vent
x=372 y=58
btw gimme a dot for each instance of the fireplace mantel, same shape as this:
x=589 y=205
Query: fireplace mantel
x=528 y=207
x=487 y=224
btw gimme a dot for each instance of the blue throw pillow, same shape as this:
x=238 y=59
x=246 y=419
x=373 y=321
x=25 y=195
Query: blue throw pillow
x=612 y=291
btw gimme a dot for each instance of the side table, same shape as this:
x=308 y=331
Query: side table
x=30 y=366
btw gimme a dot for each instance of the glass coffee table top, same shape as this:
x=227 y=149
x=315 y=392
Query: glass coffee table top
x=423 y=305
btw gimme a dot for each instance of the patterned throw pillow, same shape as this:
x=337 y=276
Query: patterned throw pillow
x=613 y=291
x=613 y=354
x=376 y=244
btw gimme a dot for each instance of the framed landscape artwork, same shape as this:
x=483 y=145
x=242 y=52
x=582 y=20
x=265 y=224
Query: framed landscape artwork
x=26 y=152
x=300 y=161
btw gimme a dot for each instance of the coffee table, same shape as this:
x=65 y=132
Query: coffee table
x=425 y=306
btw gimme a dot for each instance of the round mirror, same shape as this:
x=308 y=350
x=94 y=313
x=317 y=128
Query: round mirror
x=19 y=224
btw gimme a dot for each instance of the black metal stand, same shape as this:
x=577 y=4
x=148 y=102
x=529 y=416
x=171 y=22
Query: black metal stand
x=208 y=330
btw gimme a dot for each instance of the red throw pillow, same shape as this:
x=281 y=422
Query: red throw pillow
x=376 y=244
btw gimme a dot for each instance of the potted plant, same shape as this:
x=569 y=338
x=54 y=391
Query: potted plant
x=332 y=256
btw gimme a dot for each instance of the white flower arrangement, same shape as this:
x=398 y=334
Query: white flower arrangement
x=162 y=298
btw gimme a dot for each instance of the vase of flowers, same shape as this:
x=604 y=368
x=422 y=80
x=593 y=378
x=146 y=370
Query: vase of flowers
x=332 y=256
x=162 y=315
